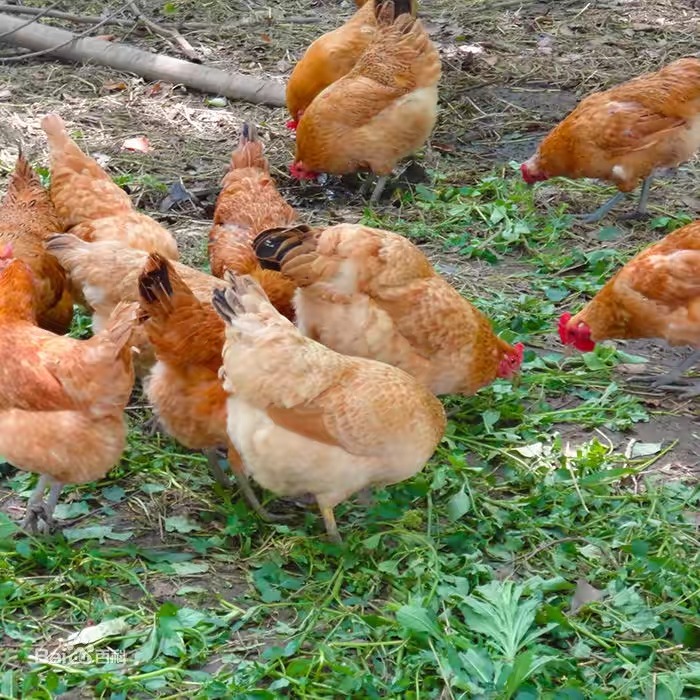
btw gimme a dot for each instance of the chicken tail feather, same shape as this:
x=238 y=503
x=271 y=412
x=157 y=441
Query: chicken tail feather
x=154 y=281
x=274 y=245
x=250 y=151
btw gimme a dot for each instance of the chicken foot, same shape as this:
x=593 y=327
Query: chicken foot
x=38 y=508
x=639 y=213
x=673 y=379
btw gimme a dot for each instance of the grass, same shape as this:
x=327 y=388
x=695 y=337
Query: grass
x=540 y=555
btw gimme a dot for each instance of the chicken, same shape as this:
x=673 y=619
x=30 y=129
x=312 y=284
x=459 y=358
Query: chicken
x=373 y=294
x=383 y=110
x=62 y=400
x=626 y=134
x=305 y=419
x=90 y=205
x=655 y=295
x=248 y=204
x=106 y=273
x=27 y=217
x=184 y=386
x=332 y=56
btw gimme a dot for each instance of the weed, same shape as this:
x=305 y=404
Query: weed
x=533 y=558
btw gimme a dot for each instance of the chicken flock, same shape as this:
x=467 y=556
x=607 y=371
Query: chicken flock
x=311 y=358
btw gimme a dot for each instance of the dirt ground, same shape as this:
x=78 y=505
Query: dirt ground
x=511 y=71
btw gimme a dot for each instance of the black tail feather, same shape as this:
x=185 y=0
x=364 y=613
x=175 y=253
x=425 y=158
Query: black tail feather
x=155 y=278
x=274 y=244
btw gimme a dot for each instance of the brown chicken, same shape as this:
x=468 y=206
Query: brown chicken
x=248 y=204
x=655 y=295
x=90 y=205
x=626 y=134
x=332 y=56
x=382 y=111
x=305 y=419
x=27 y=217
x=61 y=400
x=184 y=386
x=106 y=273
x=372 y=293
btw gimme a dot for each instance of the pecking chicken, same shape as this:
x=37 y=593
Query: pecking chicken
x=106 y=273
x=372 y=293
x=62 y=400
x=184 y=386
x=655 y=295
x=382 y=111
x=249 y=203
x=330 y=57
x=90 y=205
x=27 y=217
x=305 y=419
x=626 y=134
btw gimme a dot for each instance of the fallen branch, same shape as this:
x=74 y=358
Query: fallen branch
x=65 y=45
x=156 y=28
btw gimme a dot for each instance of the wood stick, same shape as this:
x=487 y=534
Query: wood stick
x=65 y=45
x=159 y=29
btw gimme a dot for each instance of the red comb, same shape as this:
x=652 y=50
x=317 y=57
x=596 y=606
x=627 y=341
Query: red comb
x=292 y=124
x=519 y=351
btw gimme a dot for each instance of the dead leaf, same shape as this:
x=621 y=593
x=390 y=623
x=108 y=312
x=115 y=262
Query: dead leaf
x=155 y=89
x=584 y=594
x=5 y=94
x=266 y=38
x=107 y=37
x=137 y=143
x=443 y=147
x=121 y=85
x=94 y=633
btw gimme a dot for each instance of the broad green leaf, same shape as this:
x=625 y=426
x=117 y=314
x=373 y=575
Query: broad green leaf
x=458 y=505
x=180 y=523
x=417 y=619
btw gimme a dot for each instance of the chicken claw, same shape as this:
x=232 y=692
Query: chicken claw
x=38 y=508
x=673 y=379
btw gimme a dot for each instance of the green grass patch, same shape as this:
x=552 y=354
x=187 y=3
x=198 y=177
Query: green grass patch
x=533 y=558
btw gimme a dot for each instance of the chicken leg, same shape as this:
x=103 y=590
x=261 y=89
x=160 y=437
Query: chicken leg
x=246 y=489
x=37 y=507
x=329 y=522
x=673 y=379
x=639 y=213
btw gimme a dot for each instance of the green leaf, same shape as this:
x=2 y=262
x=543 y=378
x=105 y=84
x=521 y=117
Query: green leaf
x=490 y=418
x=66 y=511
x=114 y=493
x=417 y=619
x=556 y=293
x=458 y=505
x=180 y=523
x=96 y=532
x=8 y=527
x=188 y=568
